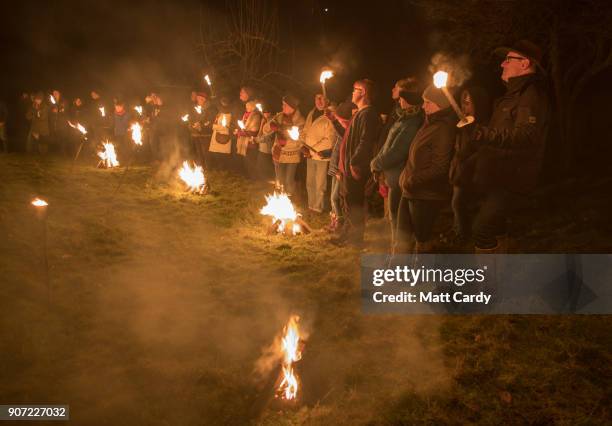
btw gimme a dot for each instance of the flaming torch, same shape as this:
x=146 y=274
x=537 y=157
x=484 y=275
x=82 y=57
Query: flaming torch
x=325 y=75
x=223 y=121
x=185 y=118
x=41 y=213
x=198 y=109
x=108 y=157
x=83 y=131
x=241 y=124
x=52 y=99
x=138 y=109
x=207 y=79
x=294 y=133
x=288 y=387
x=259 y=107
x=440 y=79
x=193 y=178
x=136 y=133
x=102 y=111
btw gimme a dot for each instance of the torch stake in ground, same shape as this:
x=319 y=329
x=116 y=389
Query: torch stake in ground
x=440 y=79
x=81 y=129
x=41 y=214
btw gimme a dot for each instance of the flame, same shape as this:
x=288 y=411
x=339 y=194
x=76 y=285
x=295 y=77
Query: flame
x=240 y=124
x=224 y=121
x=325 y=75
x=193 y=177
x=108 y=156
x=290 y=342
x=138 y=109
x=259 y=107
x=37 y=202
x=52 y=99
x=102 y=111
x=279 y=207
x=294 y=133
x=440 y=78
x=198 y=109
x=185 y=117
x=79 y=127
x=136 y=133
x=207 y=78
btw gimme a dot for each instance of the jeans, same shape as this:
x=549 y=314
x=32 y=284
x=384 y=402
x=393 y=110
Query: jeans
x=355 y=207
x=490 y=221
x=394 y=198
x=286 y=176
x=416 y=219
x=316 y=183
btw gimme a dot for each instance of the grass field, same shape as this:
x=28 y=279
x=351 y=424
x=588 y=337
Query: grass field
x=160 y=303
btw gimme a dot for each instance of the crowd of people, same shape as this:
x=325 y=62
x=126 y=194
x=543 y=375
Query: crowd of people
x=415 y=156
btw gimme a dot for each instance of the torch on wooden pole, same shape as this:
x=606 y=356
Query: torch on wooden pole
x=440 y=78
x=325 y=75
x=83 y=131
x=41 y=214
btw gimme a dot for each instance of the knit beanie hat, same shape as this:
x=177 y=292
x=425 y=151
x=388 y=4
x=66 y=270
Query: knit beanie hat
x=291 y=100
x=435 y=95
x=413 y=98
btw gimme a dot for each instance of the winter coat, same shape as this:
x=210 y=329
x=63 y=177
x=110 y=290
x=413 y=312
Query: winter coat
x=425 y=176
x=358 y=148
x=39 y=117
x=513 y=143
x=252 y=122
x=391 y=158
x=320 y=135
x=58 y=118
x=285 y=149
x=220 y=141
x=121 y=123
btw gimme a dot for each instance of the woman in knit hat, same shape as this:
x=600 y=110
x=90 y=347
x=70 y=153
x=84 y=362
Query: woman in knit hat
x=286 y=151
x=424 y=181
x=391 y=159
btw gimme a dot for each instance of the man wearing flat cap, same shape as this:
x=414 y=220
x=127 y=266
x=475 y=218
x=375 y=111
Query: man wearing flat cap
x=512 y=145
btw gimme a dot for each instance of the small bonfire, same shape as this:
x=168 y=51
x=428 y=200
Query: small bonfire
x=108 y=157
x=285 y=219
x=194 y=178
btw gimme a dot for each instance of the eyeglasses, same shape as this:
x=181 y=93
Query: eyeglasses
x=518 y=58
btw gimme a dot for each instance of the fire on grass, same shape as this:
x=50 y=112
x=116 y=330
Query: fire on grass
x=108 y=157
x=193 y=178
x=285 y=219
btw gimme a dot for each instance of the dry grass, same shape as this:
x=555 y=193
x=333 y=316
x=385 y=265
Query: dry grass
x=162 y=302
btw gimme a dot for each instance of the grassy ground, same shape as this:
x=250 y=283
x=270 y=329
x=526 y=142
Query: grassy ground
x=161 y=303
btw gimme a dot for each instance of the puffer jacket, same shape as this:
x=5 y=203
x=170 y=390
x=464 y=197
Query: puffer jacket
x=425 y=176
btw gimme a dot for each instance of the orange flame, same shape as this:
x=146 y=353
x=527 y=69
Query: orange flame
x=52 y=99
x=207 y=78
x=294 y=133
x=193 y=177
x=440 y=79
x=138 y=109
x=240 y=124
x=259 y=107
x=185 y=117
x=198 y=109
x=78 y=127
x=288 y=388
x=279 y=207
x=136 y=133
x=326 y=75
x=102 y=111
x=108 y=156
x=37 y=202
x=223 y=121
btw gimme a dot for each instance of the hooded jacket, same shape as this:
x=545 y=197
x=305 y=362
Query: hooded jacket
x=425 y=176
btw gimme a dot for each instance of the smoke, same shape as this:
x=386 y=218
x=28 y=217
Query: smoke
x=457 y=67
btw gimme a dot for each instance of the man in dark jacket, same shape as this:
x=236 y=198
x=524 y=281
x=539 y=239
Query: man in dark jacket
x=201 y=127
x=356 y=152
x=39 y=130
x=512 y=145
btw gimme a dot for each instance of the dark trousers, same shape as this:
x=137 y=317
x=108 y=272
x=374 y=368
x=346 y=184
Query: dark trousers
x=460 y=204
x=354 y=207
x=394 y=198
x=250 y=162
x=265 y=166
x=200 y=147
x=491 y=219
x=416 y=219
